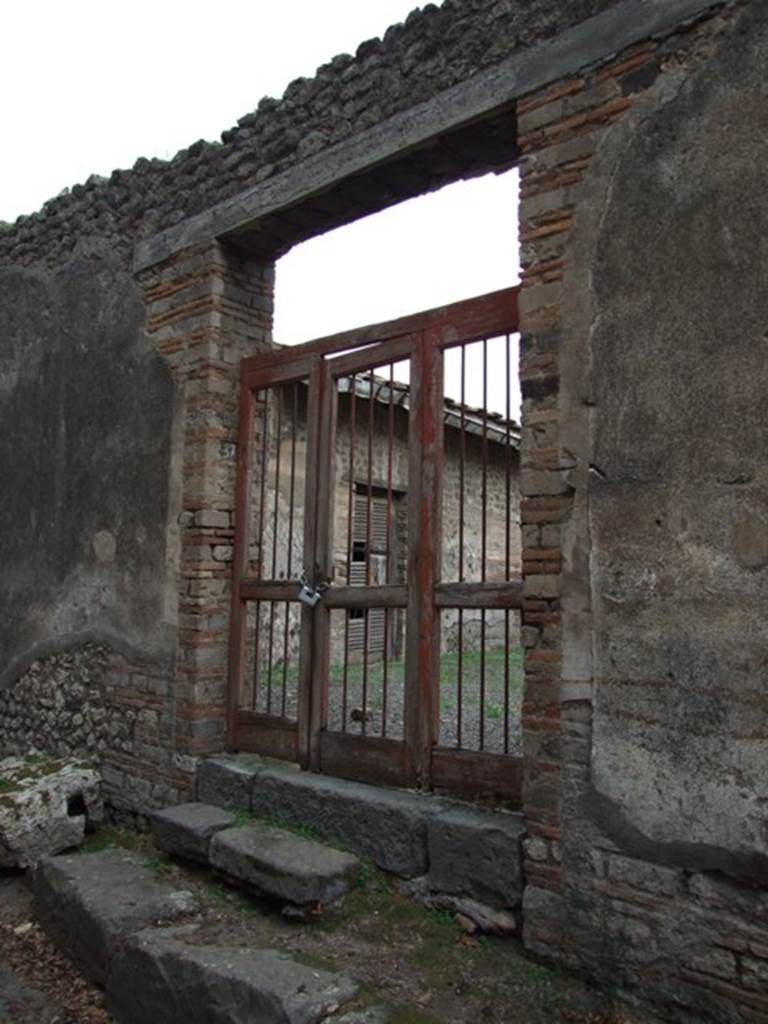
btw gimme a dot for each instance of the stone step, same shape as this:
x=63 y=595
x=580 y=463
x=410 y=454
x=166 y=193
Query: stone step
x=286 y=867
x=262 y=858
x=456 y=851
x=186 y=830
x=173 y=976
x=90 y=904
x=107 y=910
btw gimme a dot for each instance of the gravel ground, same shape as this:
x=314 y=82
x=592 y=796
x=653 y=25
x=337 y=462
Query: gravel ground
x=460 y=718
x=420 y=963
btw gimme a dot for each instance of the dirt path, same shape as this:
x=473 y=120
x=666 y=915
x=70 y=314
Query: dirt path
x=418 y=961
x=60 y=995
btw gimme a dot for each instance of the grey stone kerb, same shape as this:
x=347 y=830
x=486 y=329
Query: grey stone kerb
x=482 y=96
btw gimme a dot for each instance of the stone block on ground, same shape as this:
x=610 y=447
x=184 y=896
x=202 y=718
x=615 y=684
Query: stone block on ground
x=473 y=915
x=286 y=867
x=186 y=830
x=476 y=854
x=227 y=780
x=388 y=826
x=45 y=807
x=89 y=904
x=170 y=976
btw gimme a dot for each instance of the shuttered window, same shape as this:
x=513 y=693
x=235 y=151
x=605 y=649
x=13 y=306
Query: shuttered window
x=377 y=565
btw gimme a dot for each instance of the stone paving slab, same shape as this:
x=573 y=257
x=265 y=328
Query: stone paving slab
x=282 y=865
x=163 y=977
x=88 y=905
x=186 y=830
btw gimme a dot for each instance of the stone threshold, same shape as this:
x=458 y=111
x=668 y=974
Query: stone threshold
x=453 y=854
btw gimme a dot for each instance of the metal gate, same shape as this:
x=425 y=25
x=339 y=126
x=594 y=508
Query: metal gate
x=376 y=557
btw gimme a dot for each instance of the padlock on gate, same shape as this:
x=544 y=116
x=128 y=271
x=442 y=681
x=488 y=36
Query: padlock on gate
x=309 y=594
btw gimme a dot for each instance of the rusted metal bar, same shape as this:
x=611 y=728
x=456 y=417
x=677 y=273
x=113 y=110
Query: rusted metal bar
x=424 y=536
x=378 y=355
x=388 y=545
x=467 y=320
x=268 y=590
x=375 y=759
x=368 y=511
x=238 y=627
x=258 y=373
x=269 y=734
x=392 y=596
x=275 y=520
x=262 y=517
x=471 y=773
x=306 y=667
x=350 y=542
x=507 y=594
x=507 y=533
x=289 y=553
x=484 y=541
x=462 y=498
x=323 y=560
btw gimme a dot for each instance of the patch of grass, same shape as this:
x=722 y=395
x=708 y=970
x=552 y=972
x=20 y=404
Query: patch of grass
x=411 y=1015
x=303 y=829
x=365 y=874
x=109 y=836
x=160 y=863
x=243 y=818
x=443 y=918
x=30 y=769
x=501 y=669
x=313 y=960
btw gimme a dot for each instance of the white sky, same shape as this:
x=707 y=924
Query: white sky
x=89 y=86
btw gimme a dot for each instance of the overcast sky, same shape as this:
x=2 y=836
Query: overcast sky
x=89 y=86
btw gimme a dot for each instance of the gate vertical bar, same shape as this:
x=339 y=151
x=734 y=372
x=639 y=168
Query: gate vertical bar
x=325 y=479
x=425 y=445
x=305 y=694
x=238 y=621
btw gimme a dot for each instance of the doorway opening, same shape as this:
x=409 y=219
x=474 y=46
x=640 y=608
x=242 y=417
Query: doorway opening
x=368 y=640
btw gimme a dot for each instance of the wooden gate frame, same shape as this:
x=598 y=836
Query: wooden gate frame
x=416 y=760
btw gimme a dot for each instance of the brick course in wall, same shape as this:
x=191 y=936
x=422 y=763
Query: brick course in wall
x=693 y=945
x=206 y=310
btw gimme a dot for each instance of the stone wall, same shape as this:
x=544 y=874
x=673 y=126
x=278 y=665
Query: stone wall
x=646 y=722
x=89 y=702
x=643 y=474
x=118 y=411
x=432 y=50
